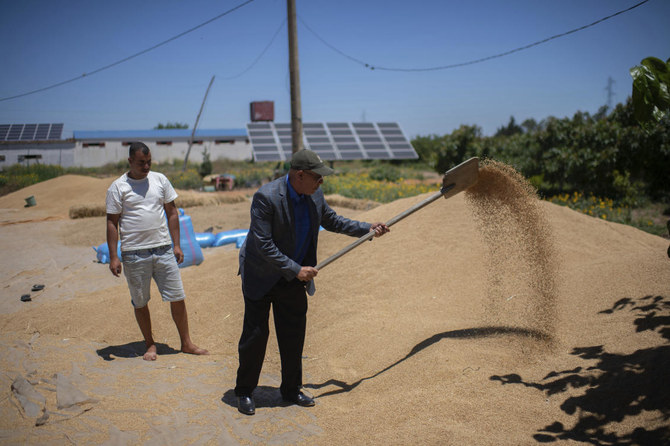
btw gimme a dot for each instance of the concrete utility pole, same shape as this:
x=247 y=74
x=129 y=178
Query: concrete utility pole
x=294 y=69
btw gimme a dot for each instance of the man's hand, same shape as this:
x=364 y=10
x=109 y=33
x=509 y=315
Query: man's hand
x=178 y=253
x=307 y=273
x=115 y=266
x=379 y=228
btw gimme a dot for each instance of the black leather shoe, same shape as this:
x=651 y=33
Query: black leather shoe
x=300 y=399
x=245 y=404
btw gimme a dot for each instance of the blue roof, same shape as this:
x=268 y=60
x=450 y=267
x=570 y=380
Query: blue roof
x=139 y=135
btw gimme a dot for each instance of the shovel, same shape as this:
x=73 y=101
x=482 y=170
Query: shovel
x=456 y=180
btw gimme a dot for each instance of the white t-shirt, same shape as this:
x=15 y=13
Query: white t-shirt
x=142 y=223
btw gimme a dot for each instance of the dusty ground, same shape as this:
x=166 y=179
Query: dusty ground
x=439 y=333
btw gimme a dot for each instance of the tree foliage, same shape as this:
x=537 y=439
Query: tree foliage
x=651 y=91
x=604 y=155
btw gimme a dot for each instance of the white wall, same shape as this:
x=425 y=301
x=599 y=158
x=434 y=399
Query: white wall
x=56 y=153
x=74 y=154
x=114 y=151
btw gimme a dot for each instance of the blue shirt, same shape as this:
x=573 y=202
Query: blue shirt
x=302 y=223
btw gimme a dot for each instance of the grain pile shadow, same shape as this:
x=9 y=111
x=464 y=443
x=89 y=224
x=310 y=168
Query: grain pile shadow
x=132 y=350
x=468 y=333
x=616 y=387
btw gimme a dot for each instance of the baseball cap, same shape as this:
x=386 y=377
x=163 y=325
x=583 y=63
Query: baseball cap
x=307 y=160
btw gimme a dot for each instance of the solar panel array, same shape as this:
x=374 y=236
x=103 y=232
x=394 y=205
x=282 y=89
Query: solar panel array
x=30 y=132
x=332 y=141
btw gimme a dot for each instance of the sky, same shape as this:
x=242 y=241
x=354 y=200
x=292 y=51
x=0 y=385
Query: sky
x=43 y=43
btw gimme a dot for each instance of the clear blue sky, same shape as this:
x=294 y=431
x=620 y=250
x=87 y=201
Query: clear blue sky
x=43 y=42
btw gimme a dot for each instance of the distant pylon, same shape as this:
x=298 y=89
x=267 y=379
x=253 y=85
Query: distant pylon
x=610 y=92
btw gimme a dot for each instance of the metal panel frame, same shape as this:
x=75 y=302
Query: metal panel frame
x=333 y=141
x=30 y=132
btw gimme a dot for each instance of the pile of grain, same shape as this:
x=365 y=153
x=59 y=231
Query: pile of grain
x=430 y=332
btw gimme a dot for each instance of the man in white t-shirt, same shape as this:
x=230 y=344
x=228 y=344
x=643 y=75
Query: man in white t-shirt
x=137 y=205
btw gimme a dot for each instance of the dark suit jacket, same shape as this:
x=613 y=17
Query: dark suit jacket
x=264 y=256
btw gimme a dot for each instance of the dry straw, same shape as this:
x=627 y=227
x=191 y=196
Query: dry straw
x=186 y=199
x=351 y=203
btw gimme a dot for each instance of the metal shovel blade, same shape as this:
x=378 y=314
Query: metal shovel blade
x=463 y=176
x=457 y=179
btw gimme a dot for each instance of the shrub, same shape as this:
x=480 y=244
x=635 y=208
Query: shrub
x=206 y=166
x=603 y=208
x=186 y=180
x=362 y=186
x=385 y=173
x=18 y=176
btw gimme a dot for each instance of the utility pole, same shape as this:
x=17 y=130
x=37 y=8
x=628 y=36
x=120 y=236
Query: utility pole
x=294 y=70
x=190 y=141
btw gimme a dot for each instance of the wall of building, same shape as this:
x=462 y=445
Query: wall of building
x=96 y=154
x=51 y=153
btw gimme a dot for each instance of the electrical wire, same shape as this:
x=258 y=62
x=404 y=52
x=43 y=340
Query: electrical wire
x=131 y=56
x=267 y=47
x=472 y=62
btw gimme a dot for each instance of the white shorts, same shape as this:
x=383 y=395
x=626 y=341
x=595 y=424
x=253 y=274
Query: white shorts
x=141 y=265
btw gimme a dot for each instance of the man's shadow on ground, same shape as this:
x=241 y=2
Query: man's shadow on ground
x=264 y=396
x=468 y=333
x=132 y=350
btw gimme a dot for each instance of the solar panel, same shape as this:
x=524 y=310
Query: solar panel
x=42 y=131
x=332 y=141
x=56 y=131
x=30 y=132
x=15 y=132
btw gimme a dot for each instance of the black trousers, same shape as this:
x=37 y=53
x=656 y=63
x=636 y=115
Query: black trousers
x=289 y=308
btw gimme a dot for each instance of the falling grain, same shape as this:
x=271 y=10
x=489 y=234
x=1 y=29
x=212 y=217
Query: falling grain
x=522 y=261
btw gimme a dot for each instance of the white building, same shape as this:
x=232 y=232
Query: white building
x=97 y=148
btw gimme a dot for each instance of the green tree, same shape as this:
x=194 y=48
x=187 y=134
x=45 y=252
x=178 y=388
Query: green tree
x=461 y=144
x=428 y=147
x=651 y=91
x=530 y=125
x=512 y=128
x=609 y=156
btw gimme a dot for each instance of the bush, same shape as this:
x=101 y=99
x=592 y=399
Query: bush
x=253 y=177
x=18 y=176
x=362 y=186
x=603 y=208
x=206 y=166
x=385 y=173
x=186 y=180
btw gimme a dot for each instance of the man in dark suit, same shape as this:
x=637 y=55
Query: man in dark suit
x=277 y=263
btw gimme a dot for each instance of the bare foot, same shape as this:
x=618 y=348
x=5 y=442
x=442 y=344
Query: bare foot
x=193 y=349
x=150 y=355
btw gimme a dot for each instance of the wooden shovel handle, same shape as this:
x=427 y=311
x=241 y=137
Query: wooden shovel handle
x=454 y=181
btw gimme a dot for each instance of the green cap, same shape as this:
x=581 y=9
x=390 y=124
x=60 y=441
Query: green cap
x=308 y=160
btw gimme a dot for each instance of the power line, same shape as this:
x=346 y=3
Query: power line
x=472 y=62
x=130 y=57
x=267 y=47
